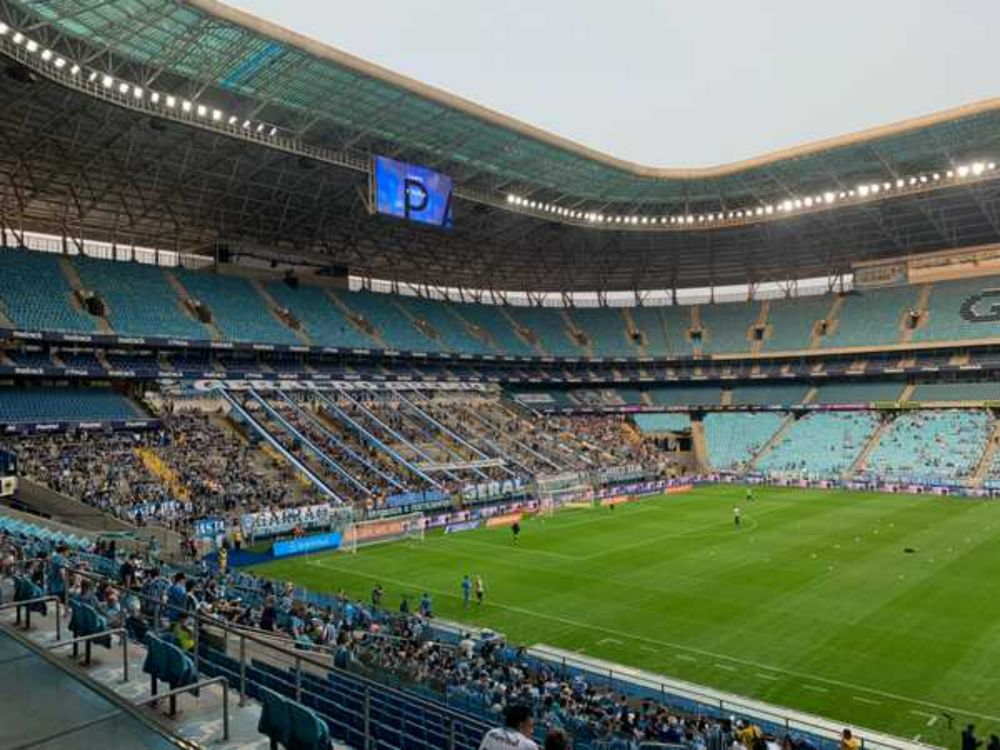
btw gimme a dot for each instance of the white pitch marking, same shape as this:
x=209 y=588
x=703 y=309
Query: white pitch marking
x=685 y=657
x=767 y=676
x=859 y=699
x=608 y=640
x=726 y=667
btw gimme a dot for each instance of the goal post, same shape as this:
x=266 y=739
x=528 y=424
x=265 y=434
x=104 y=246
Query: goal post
x=565 y=489
x=393 y=529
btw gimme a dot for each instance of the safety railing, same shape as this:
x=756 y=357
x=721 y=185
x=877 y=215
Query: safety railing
x=194 y=687
x=88 y=641
x=26 y=605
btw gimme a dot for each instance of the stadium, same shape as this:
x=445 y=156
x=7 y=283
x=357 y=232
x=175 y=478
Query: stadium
x=339 y=411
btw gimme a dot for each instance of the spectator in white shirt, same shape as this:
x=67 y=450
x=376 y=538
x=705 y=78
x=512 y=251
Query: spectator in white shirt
x=519 y=724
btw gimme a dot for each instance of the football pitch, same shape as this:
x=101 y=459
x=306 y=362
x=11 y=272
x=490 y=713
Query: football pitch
x=879 y=611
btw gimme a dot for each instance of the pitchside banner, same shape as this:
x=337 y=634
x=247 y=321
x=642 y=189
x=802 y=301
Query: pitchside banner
x=283 y=520
x=314 y=543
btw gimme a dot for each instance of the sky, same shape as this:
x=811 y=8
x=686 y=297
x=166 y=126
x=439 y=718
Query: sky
x=675 y=84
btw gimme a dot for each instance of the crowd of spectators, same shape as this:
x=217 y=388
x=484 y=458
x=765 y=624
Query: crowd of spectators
x=483 y=674
x=196 y=466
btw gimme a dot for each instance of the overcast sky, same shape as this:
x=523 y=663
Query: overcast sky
x=671 y=83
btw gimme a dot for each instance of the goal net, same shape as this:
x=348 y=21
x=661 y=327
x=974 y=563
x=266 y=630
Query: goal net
x=408 y=526
x=570 y=488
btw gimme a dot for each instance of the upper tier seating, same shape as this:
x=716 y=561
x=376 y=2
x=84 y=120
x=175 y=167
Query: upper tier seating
x=726 y=326
x=238 y=311
x=653 y=423
x=53 y=404
x=139 y=300
x=783 y=394
x=393 y=326
x=821 y=444
x=606 y=330
x=490 y=319
x=650 y=323
x=677 y=322
x=549 y=328
x=452 y=334
x=791 y=321
x=872 y=318
x=956 y=392
x=953 y=313
x=734 y=438
x=325 y=323
x=858 y=393
x=931 y=445
x=35 y=294
x=686 y=395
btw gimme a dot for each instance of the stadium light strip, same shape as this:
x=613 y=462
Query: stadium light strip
x=133 y=93
x=862 y=193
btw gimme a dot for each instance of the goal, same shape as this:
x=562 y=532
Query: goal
x=559 y=490
x=361 y=533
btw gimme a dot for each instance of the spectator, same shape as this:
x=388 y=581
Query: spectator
x=848 y=741
x=519 y=725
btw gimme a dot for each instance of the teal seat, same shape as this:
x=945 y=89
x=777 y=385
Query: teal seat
x=26 y=589
x=275 y=718
x=85 y=620
x=309 y=732
x=155 y=664
x=179 y=667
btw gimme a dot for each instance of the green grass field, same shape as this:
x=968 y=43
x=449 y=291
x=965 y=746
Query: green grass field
x=812 y=604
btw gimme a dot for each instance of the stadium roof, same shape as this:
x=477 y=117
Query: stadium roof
x=332 y=111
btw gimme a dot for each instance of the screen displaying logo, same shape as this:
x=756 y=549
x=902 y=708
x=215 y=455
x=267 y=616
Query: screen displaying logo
x=411 y=192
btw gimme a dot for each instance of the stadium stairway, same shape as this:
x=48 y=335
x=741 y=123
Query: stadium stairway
x=273 y=307
x=831 y=323
x=986 y=461
x=160 y=469
x=76 y=284
x=183 y=298
x=699 y=445
x=873 y=441
x=198 y=718
x=368 y=330
x=479 y=333
x=530 y=341
x=761 y=323
x=5 y=322
x=776 y=438
x=420 y=324
x=632 y=329
x=576 y=332
x=906 y=333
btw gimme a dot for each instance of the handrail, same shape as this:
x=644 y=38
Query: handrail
x=93 y=637
x=38 y=600
x=192 y=688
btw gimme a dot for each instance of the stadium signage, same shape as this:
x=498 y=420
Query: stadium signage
x=27 y=428
x=208 y=385
x=313 y=543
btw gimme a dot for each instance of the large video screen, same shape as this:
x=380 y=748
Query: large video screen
x=411 y=192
